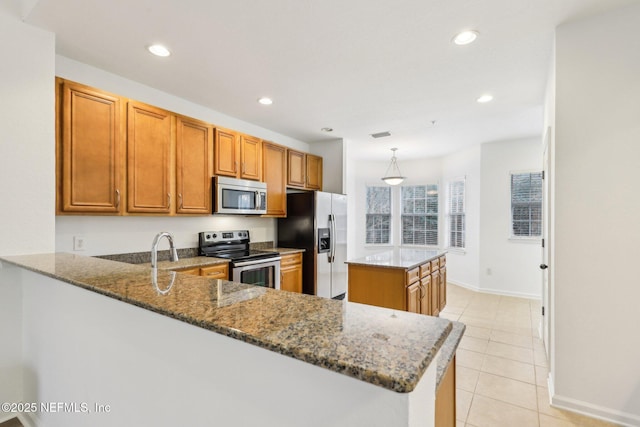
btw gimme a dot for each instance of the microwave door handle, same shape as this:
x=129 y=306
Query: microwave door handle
x=257 y=199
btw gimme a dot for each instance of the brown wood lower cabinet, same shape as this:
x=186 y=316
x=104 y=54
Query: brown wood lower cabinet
x=446 y=398
x=218 y=271
x=421 y=289
x=291 y=272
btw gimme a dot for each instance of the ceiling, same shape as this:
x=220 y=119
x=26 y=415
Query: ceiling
x=357 y=66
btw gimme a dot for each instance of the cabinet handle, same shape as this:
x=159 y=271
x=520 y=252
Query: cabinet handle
x=168 y=200
x=235 y=166
x=117 y=199
x=180 y=199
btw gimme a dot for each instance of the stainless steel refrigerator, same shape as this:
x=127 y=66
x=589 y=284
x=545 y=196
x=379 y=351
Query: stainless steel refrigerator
x=317 y=222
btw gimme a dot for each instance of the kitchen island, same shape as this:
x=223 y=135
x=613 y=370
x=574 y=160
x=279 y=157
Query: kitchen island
x=313 y=361
x=413 y=280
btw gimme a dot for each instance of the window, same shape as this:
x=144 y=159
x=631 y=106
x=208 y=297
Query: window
x=526 y=204
x=420 y=215
x=456 y=214
x=378 y=215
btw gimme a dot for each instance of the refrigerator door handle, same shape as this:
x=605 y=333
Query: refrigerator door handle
x=332 y=236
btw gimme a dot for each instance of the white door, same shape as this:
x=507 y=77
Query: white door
x=544 y=265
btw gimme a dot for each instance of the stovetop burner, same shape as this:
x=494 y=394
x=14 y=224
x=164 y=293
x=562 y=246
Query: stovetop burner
x=232 y=245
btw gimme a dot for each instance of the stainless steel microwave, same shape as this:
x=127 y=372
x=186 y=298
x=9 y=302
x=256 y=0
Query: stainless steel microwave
x=239 y=196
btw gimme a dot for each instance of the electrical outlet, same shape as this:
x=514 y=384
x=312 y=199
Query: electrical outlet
x=79 y=243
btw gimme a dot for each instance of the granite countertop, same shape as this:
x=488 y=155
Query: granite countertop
x=399 y=258
x=385 y=347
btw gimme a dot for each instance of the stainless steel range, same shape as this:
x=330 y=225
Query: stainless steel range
x=255 y=267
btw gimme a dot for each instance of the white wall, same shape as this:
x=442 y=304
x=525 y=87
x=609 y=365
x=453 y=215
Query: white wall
x=597 y=206
x=463 y=266
x=27 y=138
x=109 y=234
x=334 y=173
x=507 y=266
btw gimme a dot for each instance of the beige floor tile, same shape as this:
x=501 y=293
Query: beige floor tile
x=474 y=344
x=477 y=332
x=453 y=309
x=519 y=354
x=540 y=358
x=466 y=378
x=476 y=321
x=542 y=376
x=507 y=390
x=450 y=316
x=460 y=423
x=469 y=359
x=548 y=421
x=463 y=403
x=487 y=412
x=573 y=420
x=511 y=338
x=509 y=368
x=480 y=313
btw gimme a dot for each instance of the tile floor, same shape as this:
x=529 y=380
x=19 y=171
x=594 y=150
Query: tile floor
x=501 y=364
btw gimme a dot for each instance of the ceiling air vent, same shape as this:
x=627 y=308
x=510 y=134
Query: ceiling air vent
x=380 y=134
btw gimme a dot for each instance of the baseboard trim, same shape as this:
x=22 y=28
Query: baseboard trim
x=591 y=410
x=494 y=291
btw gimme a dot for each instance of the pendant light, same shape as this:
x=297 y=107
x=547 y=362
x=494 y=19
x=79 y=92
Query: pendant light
x=393 y=175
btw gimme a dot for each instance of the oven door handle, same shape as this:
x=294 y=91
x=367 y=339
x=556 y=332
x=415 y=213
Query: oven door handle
x=256 y=261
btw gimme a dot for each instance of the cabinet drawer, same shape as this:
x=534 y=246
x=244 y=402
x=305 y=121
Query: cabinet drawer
x=413 y=275
x=290 y=259
x=435 y=265
x=425 y=269
x=443 y=261
x=215 y=272
x=193 y=271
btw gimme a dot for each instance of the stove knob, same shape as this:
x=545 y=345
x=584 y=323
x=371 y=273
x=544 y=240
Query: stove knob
x=215 y=236
x=208 y=236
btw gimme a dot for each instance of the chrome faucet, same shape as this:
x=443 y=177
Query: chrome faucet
x=173 y=254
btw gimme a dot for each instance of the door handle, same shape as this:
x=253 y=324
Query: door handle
x=543 y=266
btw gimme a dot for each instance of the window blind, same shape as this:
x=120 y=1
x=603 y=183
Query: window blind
x=419 y=215
x=526 y=204
x=456 y=213
x=378 y=227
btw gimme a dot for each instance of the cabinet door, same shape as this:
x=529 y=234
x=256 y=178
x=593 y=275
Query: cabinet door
x=443 y=287
x=194 y=158
x=89 y=151
x=435 y=293
x=274 y=170
x=250 y=158
x=226 y=153
x=414 y=293
x=314 y=172
x=425 y=300
x=296 y=168
x=291 y=279
x=149 y=159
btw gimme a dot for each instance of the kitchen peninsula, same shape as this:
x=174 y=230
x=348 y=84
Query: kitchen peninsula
x=172 y=349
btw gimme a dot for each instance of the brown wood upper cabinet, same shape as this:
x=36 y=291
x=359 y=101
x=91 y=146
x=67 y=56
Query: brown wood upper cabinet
x=237 y=155
x=149 y=131
x=304 y=170
x=274 y=171
x=194 y=164
x=90 y=149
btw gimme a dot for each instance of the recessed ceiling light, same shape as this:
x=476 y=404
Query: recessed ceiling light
x=485 y=98
x=327 y=129
x=465 y=37
x=265 y=101
x=158 y=50
x=381 y=134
